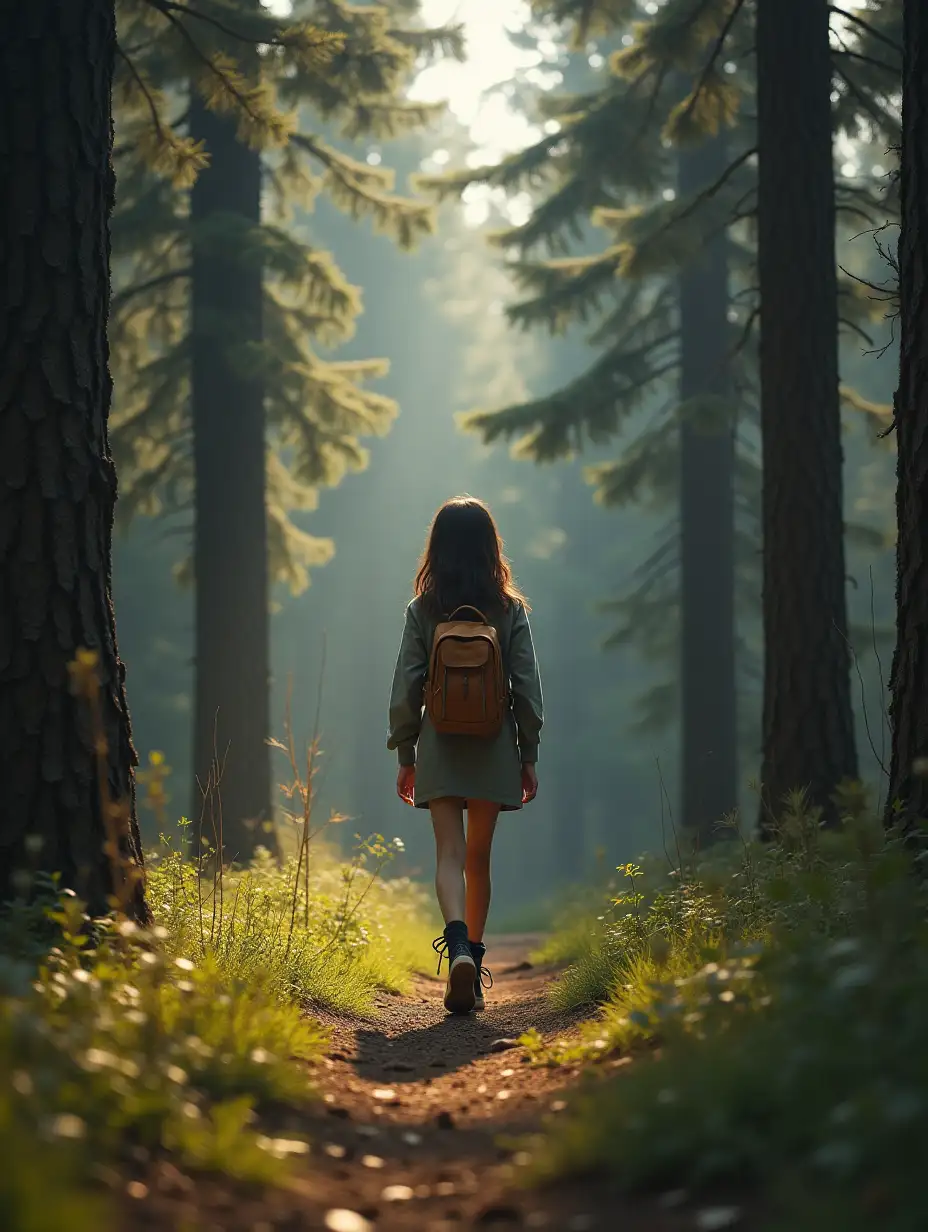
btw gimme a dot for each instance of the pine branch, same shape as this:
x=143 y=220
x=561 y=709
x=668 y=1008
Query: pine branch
x=361 y=189
x=856 y=20
x=593 y=404
x=709 y=66
x=865 y=101
x=627 y=323
x=893 y=69
x=121 y=298
x=179 y=157
x=223 y=72
x=315 y=45
x=434 y=42
x=854 y=327
x=165 y=7
x=146 y=92
x=567 y=290
x=587 y=16
x=880 y=411
x=855 y=211
x=695 y=202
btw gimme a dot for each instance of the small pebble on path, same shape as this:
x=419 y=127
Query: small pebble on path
x=397 y=1193
x=341 y=1220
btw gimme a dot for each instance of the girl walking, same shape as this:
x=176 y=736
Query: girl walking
x=465 y=720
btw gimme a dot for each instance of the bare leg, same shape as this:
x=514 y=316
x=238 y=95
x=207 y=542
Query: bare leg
x=481 y=826
x=450 y=852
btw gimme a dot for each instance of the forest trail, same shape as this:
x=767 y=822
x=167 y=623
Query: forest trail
x=419 y=1126
x=420 y=1123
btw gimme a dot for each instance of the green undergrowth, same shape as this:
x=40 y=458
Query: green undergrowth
x=325 y=936
x=573 y=927
x=123 y=1044
x=778 y=998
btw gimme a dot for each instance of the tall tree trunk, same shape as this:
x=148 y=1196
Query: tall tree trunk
x=808 y=728
x=709 y=769
x=908 y=781
x=231 y=720
x=57 y=479
x=568 y=789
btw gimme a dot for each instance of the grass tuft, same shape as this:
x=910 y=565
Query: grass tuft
x=126 y=1043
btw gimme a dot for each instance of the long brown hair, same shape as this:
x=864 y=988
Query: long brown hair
x=463 y=561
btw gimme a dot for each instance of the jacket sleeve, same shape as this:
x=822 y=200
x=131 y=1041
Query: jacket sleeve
x=525 y=682
x=406 y=698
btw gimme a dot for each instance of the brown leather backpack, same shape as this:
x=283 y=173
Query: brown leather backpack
x=465 y=694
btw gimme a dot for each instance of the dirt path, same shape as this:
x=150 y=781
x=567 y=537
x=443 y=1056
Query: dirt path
x=418 y=1125
x=428 y=1096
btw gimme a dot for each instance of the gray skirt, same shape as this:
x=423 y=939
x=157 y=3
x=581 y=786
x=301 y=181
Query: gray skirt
x=468 y=768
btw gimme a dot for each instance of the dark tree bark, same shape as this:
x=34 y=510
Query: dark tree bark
x=908 y=781
x=709 y=735
x=808 y=729
x=57 y=479
x=231 y=719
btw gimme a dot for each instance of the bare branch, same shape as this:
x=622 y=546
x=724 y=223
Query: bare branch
x=146 y=93
x=168 y=6
x=706 y=195
x=857 y=329
x=745 y=333
x=856 y=55
x=865 y=101
x=856 y=20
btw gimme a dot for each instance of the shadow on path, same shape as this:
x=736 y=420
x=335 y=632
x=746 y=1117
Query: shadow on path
x=428 y=1049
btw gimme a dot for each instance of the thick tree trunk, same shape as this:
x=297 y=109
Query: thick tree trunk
x=808 y=730
x=709 y=736
x=908 y=787
x=57 y=480
x=231 y=720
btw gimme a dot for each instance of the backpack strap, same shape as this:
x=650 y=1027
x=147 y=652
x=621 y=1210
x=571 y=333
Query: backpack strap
x=467 y=607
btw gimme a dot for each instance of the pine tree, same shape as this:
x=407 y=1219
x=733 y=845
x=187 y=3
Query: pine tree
x=231 y=721
x=605 y=156
x=221 y=303
x=67 y=801
x=708 y=684
x=808 y=727
x=908 y=787
x=604 y=163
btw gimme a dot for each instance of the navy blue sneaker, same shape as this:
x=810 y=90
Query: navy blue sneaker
x=484 y=978
x=462 y=970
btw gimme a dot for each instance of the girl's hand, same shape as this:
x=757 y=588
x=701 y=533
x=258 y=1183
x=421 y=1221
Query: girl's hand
x=529 y=782
x=406 y=784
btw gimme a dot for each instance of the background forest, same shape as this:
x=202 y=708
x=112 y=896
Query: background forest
x=648 y=276
x=595 y=550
